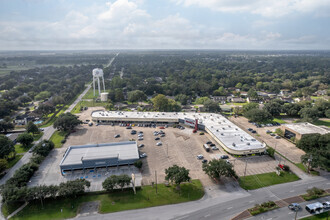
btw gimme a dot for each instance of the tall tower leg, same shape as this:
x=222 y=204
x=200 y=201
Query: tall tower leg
x=98 y=82
x=94 y=85
x=103 y=84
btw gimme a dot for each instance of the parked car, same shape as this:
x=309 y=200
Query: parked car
x=141 y=145
x=224 y=157
x=140 y=139
x=204 y=161
x=140 y=135
x=215 y=148
x=278 y=137
x=212 y=145
x=294 y=206
x=143 y=155
x=128 y=127
x=326 y=205
x=133 y=132
x=41 y=129
x=157 y=138
x=254 y=131
x=272 y=134
x=159 y=144
x=268 y=132
x=250 y=129
x=117 y=136
x=162 y=135
x=200 y=156
x=209 y=142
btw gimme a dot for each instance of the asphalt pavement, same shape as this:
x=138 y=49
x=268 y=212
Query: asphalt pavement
x=224 y=206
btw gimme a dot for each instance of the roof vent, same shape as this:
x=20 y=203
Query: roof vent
x=217 y=130
x=234 y=144
x=236 y=129
x=222 y=134
x=248 y=143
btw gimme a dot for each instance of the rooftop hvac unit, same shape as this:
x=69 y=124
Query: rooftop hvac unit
x=234 y=144
x=248 y=143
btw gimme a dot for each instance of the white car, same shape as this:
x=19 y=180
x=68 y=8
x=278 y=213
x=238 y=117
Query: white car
x=140 y=138
x=199 y=157
x=159 y=144
x=215 y=148
x=140 y=135
x=143 y=155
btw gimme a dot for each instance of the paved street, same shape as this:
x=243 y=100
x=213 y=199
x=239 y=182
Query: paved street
x=228 y=202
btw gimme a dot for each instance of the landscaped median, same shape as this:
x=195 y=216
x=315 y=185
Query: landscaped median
x=264 y=207
x=314 y=193
x=114 y=202
x=266 y=179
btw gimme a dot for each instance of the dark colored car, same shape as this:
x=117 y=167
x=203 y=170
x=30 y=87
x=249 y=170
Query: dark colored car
x=212 y=145
x=209 y=142
x=204 y=161
x=224 y=157
x=157 y=138
x=253 y=131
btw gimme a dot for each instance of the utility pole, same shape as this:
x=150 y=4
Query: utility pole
x=309 y=163
x=156 y=180
x=245 y=168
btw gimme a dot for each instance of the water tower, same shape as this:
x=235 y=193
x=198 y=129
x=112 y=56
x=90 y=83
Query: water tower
x=97 y=74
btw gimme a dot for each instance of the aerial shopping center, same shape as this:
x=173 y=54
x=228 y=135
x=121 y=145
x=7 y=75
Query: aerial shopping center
x=230 y=137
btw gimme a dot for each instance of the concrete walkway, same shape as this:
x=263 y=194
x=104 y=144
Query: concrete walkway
x=17 y=210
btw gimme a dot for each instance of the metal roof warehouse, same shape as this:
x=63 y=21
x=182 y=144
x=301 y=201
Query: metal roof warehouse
x=99 y=155
x=232 y=138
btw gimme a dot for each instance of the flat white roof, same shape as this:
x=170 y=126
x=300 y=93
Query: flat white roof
x=306 y=128
x=224 y=130
x=125 y=150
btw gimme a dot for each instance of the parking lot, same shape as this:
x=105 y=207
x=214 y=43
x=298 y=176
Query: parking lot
x=281 y=145
x=179 y=147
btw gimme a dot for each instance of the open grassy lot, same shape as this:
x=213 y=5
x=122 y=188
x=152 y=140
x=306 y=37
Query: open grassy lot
x=279 y=120
x=37 y=136
x=12 y=162
x=322 y=216
x=89 y=94
x=57 y=137
x=266 y=179
x=114 y=202
x=325 y=122
x=19 y=149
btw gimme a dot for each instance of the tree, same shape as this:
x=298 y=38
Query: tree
x=6 y=146
x=3 y=165
x=218 y=168
x=42 y=95
x=202 y=100
x=183 y=99
x=124 y=180
x=250 y=106
x=43 y=148
x=138 y=164
x=274 y=107
x=258 y=115
x=160 y=102
x=32 y=128
x=177 y=175
x=110 y=183
x=136 y=95
x=25 y=139
x=252 y=94
x=309 y=114
x=73 y=188
x=45 y=109
x=211 y=106
x=6 y=126
x=66 y=122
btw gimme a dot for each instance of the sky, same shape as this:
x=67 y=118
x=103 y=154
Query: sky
x=164 y=24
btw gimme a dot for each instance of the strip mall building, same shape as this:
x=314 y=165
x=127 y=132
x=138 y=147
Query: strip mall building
x=230 y=137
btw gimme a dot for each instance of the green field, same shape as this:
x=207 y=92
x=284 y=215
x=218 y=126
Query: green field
x=237 y=103
x=325 y=122
x=113 y=202
x=279 y=120
x=37 y=136
x=266 y=179
x=19 y=149
x=57 y=137
x=89 y=94
x=11 y=163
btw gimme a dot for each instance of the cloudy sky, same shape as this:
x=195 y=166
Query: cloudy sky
x=164 y=24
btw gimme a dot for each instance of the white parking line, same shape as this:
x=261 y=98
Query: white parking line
x=208 y=215
x=229 y=207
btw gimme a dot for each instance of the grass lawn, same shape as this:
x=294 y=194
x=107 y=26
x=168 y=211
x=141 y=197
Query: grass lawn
x=324 y=122
x=278 y=120
x=37 y=136
x=20 y=149
x=266 y=179
x=114 y=202
x=89 y=94
x=237 y=103
x=57 y=137
x=12 y=162
x=322 y=216
x=303 y=168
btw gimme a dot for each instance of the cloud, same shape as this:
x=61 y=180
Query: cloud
x=266 y=8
